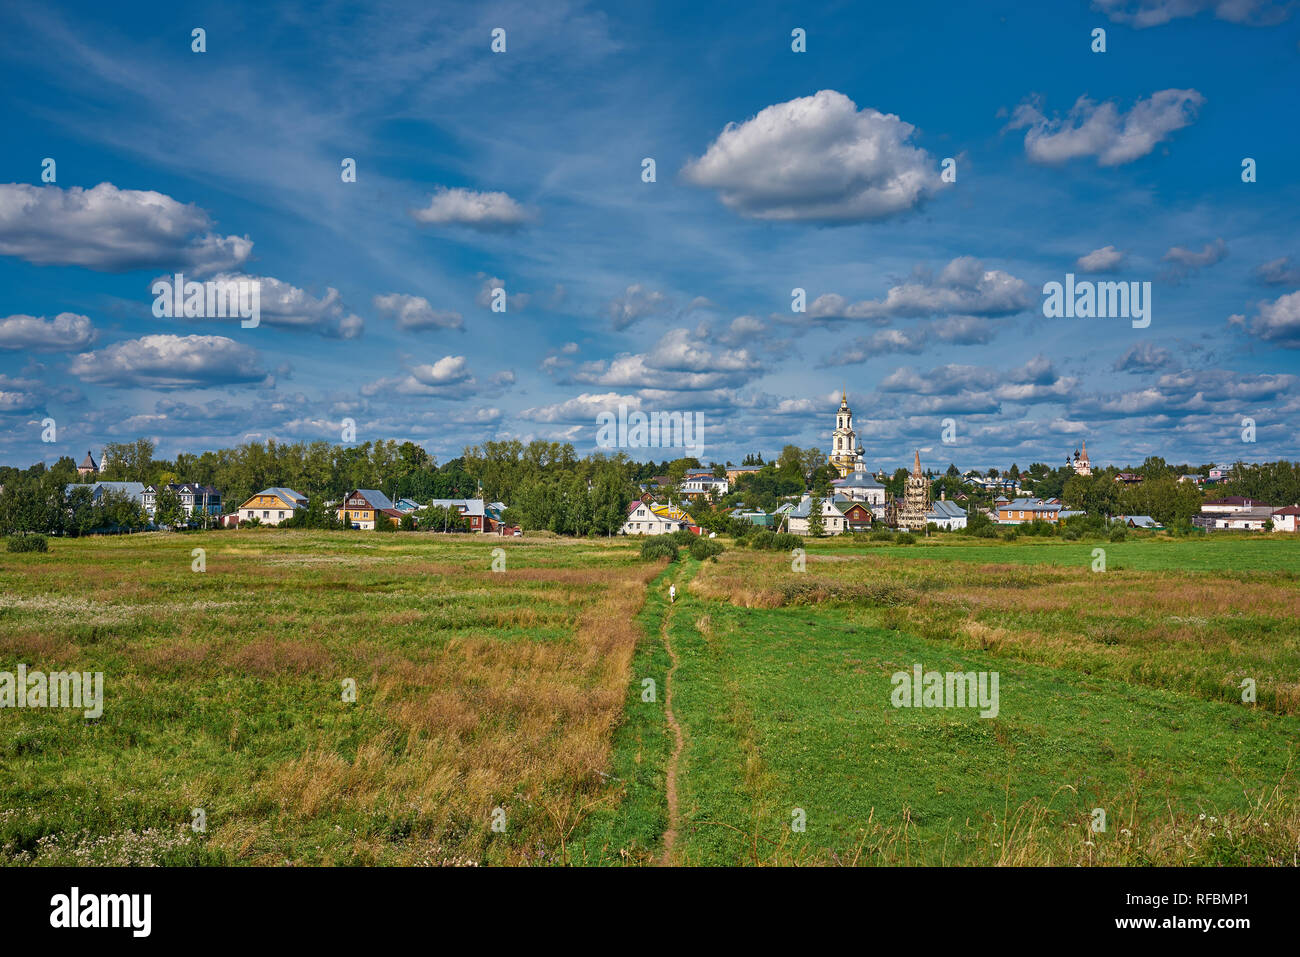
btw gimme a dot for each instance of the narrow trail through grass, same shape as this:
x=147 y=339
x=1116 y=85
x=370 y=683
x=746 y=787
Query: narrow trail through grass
x=670 y=786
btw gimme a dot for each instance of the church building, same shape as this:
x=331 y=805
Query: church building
x=1080 y=462
x=846 y=454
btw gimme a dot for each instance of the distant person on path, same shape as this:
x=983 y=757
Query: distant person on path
x=672 y=594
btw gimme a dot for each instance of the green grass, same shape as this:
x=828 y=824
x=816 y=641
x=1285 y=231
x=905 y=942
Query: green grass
x=1226 y=552
x=223 y=692
x=523 y=690
x=790 y=709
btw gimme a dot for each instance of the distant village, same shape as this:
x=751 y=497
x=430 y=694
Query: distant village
x=803 y=493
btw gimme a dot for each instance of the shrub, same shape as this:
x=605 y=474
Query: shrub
x=882 y=535
x=905 y=538
x=703 y=548
x=784 y=541
x=1118 y=533
x=1009 y=534
x=762 y=539
x=27 y=543
x=683 y=536
x=659 y=546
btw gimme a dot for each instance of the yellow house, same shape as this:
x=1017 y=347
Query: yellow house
x=363 y=506
x=271 y=506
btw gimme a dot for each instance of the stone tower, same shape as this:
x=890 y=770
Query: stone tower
x=916 y=499
x=846 y=454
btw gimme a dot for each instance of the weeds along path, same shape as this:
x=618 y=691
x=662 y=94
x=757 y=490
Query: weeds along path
x=670 y=773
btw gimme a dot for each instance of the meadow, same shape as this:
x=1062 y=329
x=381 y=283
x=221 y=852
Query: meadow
x=504 y=717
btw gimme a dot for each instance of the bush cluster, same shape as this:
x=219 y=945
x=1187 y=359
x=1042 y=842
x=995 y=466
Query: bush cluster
x=703 y=548
x=27 y=543
x=660 y=546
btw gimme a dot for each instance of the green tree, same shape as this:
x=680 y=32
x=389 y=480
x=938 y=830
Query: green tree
x=168 y=511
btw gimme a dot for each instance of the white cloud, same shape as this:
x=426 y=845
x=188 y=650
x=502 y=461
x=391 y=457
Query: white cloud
x=963 y=286
x=1154 y=13
x=1101 y=130
x=635 y=303
x=1208 y=255
x=171 y=362
x=515 y=301
x=1279 y=321
x=449 y=378
x=679 y=361
x=1278 y=272
x=285 y=305
x=112 y=230
x=1100 y=260
x=817 y=158
x=64 y=332
x=414 y=313
x=1143 y=357
x=582 y=408
x=484 y=211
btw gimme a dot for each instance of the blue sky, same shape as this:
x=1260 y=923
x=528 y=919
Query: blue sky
x=775 y=170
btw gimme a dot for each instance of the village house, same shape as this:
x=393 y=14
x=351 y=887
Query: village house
x=833 y=523
x=134 y=490
x=649 y=518
x=704 y=484
x=1235 y=513
x=362 y=507
x=755 y=517
x=857 y=515
x=471 y=509
x=734 y=473
x=271 y=506
x=1021 y=510
x=1137 y=521
x=1286 y=519
x=196 y=500
x=946 y=515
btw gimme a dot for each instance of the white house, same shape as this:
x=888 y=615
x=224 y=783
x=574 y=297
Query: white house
x=1287 y=519
x=649 y=518
x=704 y=485
x=946 y=514
x=832 y=518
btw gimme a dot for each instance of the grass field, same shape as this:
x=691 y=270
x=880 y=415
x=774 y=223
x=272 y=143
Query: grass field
x=519 y=697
